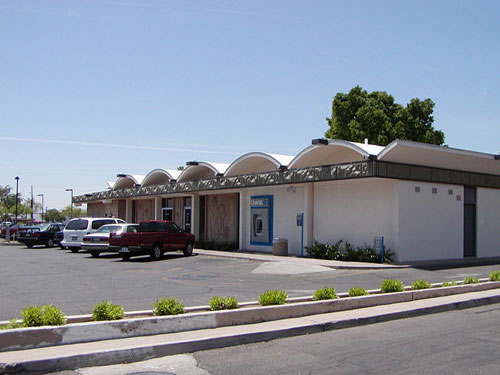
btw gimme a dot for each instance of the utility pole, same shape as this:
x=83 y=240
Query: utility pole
x=31 y=202
x=41 y=195
x=17 y=194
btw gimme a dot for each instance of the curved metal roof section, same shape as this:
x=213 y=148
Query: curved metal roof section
x=335 y=152
x=400 y=151
x=128 y=181
x=257 y=162
x=160 y=176
x=201 y=170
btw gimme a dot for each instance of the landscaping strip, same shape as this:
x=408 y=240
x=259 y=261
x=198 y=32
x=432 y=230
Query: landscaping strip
x=38 y=337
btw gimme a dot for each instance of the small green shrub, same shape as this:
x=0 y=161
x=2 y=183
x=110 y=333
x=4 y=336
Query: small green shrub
x=52 y=316
x=11 y=325
x=356 y=291
x=168 y=306
x=105 y=310
x=324 y=293
x=221 y=303
x=273 y=297
x=32 y=316
x=447 y=283
x=470 y=280
x=391 y=286
x=46 y=315
x=495 y=275
x=420 y=284
x=343 y=250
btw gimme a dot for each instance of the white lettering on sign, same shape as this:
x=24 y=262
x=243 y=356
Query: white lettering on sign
x=258 y=202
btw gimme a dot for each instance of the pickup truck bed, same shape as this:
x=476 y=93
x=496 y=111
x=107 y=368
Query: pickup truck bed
x=154 y=238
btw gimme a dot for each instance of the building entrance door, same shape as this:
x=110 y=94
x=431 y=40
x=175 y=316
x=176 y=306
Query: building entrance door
x=469 y=221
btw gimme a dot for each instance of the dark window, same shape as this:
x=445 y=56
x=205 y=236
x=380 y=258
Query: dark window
x=174 y=228
x=96 y=224
x=145 y=227
x=78 y=224
x=160 y=227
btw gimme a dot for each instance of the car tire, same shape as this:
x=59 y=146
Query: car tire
x=63 y=247
x=157 y=252
x=188 y=249
x=50 y=243
x=125 y=257
x=29 y=246
x=95 y=254
x=74 y=249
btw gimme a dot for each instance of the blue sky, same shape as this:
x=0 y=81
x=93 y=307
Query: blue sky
x=89 y=89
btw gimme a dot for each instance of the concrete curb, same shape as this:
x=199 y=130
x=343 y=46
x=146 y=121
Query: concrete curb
x=38 y=337
x=206 y=340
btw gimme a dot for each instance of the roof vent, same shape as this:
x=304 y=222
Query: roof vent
x=320 y=141
x=366 y=141
x=121 y=175
x=192 y=163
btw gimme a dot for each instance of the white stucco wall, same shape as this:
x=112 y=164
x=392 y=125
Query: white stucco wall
x=355 y=210
x=488 y=222
x=287 y=204
x=430 y=225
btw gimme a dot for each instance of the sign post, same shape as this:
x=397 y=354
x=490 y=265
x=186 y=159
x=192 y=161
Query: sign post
x=378 y=246
x=300 y=223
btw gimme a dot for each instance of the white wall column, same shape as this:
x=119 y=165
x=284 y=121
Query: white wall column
x=195 y=215
x=128 y=210
x=308 y=215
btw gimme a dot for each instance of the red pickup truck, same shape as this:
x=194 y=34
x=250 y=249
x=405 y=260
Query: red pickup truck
x=154 y=238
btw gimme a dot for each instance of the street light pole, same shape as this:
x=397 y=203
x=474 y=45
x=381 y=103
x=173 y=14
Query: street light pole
x=41 y=195
x=17 y=194
x=71 y=190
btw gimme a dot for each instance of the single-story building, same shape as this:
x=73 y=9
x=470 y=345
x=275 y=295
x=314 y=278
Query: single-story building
x=427 y=201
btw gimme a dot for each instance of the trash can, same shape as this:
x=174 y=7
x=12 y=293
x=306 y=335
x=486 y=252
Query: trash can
x=280 y=246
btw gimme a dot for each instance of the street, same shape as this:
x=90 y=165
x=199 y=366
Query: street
x=454 y=343
x=76 y=281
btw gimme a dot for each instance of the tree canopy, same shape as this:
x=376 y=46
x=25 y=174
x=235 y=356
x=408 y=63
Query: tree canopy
x=359 y=115
x=8 y=204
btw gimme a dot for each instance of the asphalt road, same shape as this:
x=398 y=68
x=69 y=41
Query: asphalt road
x=455 y=342
x=449 y=343
x=75 y=282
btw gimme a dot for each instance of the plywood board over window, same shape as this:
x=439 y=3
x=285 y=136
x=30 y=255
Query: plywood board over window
x=145 y=209
x=222 y=218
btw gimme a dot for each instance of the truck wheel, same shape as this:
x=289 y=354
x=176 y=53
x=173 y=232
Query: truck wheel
x=125 y=257
x=157 y=252
x=50 y=243
x=188 y=249
x=94 y=254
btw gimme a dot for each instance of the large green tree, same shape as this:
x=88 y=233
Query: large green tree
x=359 y=115
x=8 y=204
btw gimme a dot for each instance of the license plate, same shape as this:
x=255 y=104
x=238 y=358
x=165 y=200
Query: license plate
x=124 y=250
x=74 y=238
x=95 y=239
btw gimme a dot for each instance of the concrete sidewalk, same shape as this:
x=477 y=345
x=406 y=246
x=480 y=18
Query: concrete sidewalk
x=335 y=264
x=57 y=358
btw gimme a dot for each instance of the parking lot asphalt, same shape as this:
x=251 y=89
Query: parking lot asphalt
x=76 y=281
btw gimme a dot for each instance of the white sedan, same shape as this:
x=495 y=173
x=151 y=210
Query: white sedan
x=97 y=242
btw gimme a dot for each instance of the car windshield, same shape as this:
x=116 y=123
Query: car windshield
x=43 y=226
x=109 y=229
x=78 y=224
